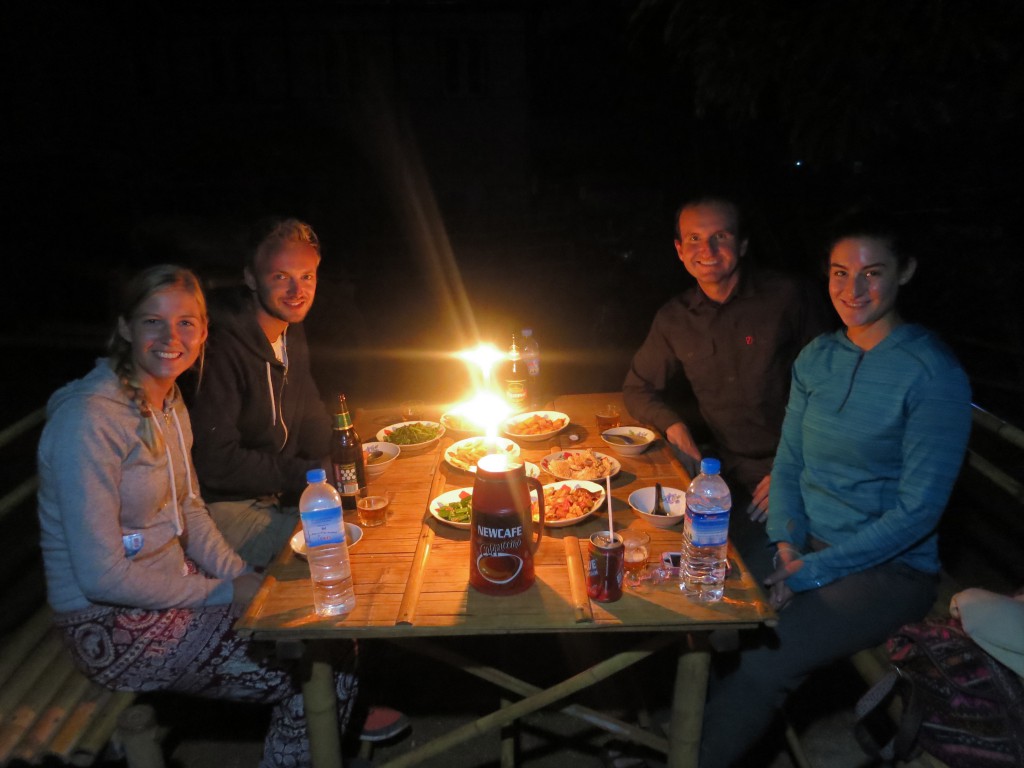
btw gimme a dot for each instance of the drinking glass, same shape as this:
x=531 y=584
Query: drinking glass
x=411 y=410
x=638 y=549
x=608 y=416
x=372 y=506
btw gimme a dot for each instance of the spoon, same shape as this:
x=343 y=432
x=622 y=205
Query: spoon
x=620 y=439
x=659 y=508
x=373 y=454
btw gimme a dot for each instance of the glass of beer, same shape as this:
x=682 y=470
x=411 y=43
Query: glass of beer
x=608 y=416
x=372 y=507
x=638 y=549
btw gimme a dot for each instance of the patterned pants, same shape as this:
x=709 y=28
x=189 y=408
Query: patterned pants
x=196 y=651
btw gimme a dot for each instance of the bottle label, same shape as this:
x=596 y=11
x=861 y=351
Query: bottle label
x=323 y=526
x=515 y=391
x=346 y=478
x=706 y=530
x=532 y=366
x=342 y=420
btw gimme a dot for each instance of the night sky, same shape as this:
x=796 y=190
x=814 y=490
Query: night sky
x=475 y=167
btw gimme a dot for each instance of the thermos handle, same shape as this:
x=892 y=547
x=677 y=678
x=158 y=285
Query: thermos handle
x=535 y=484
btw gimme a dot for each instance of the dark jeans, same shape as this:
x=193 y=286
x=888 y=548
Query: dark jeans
x=816 y=628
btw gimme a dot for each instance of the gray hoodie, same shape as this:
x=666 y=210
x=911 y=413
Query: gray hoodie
x=112 y=533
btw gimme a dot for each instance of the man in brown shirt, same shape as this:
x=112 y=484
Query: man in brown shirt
x=734 y=337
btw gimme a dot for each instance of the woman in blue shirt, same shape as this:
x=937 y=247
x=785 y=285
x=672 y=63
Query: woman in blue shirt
x=874 y=435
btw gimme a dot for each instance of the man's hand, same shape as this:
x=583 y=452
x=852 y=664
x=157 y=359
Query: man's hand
x=758 y=509
x=787 y=562
x=679 y=436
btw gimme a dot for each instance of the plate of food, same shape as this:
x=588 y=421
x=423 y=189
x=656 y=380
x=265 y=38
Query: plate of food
x=466 y=453
x=353 y=535
x=453 y=507
x=460 y=425
x=411 y=435
x=568 y=502
x=535 y=426
x=580 y=464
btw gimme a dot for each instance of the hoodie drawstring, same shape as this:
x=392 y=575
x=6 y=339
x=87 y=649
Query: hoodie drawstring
x=179 y=522
x=273 y=403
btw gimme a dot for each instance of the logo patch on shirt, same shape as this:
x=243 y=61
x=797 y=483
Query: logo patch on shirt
x=749 y=340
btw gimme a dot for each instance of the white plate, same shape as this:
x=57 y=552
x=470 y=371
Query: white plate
x=353 y=535
x=532 y=470
x=545 y=464
x=502 y=444
x=585 y=484
x=457 y=425
x=382 y=436
x=507 y=426
x=448 y=497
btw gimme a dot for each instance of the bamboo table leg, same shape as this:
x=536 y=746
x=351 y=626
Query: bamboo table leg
x=688 y=703
x=321 y=703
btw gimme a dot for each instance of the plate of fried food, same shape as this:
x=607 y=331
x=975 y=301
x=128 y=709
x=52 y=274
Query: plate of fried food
x=580 y=464
x=568 y=502
x=466 y=453
x=535 y=426
x=460 y=425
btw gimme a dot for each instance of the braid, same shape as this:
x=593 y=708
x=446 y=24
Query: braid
x=150 y=436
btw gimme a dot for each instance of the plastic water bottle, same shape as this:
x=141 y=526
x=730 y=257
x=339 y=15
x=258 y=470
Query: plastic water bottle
x=326 y=550
x=530 y=352
x=706 y=534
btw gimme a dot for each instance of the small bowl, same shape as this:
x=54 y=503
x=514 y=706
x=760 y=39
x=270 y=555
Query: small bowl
x=674 y=500
x=643 y=439
x=379 y=467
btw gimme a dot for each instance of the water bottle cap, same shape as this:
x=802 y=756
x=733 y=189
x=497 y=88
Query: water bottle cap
x=710 y=466
x=316 y=476
x=527 y=332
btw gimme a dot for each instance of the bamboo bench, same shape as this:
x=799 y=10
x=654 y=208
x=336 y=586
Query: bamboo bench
x=49 y=712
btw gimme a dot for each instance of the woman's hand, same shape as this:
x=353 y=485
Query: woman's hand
x=787 y=562
x=246 y=586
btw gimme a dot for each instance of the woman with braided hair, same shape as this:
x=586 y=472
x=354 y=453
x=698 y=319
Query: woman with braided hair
x=139 y=578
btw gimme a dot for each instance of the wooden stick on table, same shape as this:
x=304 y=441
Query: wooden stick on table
x=577 y=580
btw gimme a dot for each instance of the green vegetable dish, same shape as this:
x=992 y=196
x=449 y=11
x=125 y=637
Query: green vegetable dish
x=458 y=511
x=411 y=434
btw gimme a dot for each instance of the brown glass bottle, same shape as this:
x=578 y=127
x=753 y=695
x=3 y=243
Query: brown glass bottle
x=514 y=378
x=347 y=456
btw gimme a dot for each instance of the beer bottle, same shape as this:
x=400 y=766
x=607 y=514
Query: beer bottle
x=347 y=456
x=515 y=379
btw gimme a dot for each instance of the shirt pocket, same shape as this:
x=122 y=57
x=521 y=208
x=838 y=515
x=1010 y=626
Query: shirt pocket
x=698 y=362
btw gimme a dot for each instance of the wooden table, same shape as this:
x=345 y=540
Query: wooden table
x=412 y=582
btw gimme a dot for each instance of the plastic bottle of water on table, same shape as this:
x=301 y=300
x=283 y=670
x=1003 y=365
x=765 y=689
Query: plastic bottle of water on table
x=706 y=534
x=326 y=549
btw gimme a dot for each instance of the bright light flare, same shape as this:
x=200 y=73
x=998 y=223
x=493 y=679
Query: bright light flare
x=484 y=357
x=487 y=410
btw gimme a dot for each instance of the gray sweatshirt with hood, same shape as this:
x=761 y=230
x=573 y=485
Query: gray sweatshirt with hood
x=117 y=519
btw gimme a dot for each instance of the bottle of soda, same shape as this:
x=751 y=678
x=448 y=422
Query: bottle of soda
x=706 y=534
x=531 y=356
x=347 y=456
x=326 y=549
x=514 y=378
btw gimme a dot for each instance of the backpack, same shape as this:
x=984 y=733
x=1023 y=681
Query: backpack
x=959 y=704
